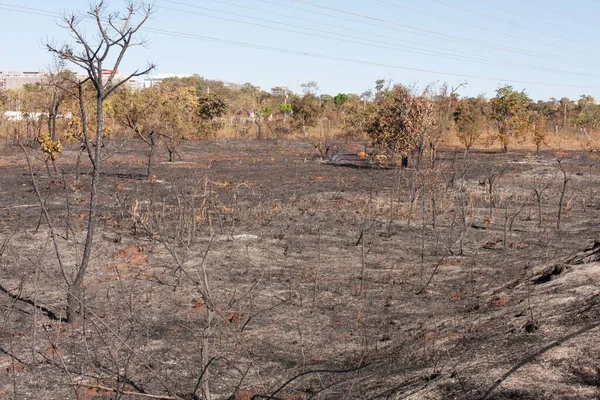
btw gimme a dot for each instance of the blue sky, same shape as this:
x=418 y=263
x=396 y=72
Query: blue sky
x=548 y=47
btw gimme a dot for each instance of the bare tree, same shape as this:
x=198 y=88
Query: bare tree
x=116 y=33
x=538 y=191
x=445 y=101
x=56 y=81
x=566 y=179
x=493 y=173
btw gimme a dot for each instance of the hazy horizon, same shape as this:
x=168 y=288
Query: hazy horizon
x=545 y=48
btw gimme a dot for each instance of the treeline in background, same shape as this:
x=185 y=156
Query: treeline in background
x=394 y=119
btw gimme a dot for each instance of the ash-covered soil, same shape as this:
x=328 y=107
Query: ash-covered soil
x=256 y=270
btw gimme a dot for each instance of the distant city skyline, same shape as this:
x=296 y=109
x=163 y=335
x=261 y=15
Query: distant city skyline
x=18 y=79
x=546 y=47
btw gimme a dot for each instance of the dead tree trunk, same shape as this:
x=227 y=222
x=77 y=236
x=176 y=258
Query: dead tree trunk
x=566 y=180
x=74 y=295
x=152 y=140
x=115 y=32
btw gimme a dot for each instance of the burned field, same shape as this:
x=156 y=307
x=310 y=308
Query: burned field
x=256 y=270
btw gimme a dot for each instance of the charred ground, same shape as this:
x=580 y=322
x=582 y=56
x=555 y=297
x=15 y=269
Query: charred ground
x=327 y=280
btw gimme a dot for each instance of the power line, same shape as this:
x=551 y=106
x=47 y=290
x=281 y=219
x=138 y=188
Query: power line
x=372 y=43
x=515 y=65
x=378 y=35
x=445 y=18
x=494 y=18
x=528 y=53
x=314 y=55
x=560 y=13
x=487 y=45
x=539 y=20
x=26 y=10
x=422 y=31
x=536 y=30
x=329 y=25
x=355 y=61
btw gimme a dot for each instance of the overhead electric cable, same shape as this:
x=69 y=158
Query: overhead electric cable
x=462 y=23
x=421 y=45
x=535 y=19
x=440 y=35
x=492 y=17
x=378 y=44
x=26 y=10
x=330 y=25
x=561 y=14
x=355 y=61
x=307 y=54
x=511 y=49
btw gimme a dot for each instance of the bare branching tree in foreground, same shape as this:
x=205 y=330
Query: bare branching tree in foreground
x=100 y=57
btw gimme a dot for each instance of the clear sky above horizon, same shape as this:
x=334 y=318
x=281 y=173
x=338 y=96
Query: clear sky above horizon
x=549 y=48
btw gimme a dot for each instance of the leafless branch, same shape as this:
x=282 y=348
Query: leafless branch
x=127 y=393
x=47 y=217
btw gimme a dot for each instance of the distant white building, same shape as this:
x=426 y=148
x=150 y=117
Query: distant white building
x=232 y=85
x=279 y=91
x=145 y=82
x=17 y=79
x=32 y=116
x=135 y=85
x=21 y=116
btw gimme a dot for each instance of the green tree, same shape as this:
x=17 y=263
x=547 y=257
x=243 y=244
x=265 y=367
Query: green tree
x=355 y=114
x=177 y=108
x=550 y=110
x=379 y=85
x=255 y=103
x=212 y=109
x=285 y=108
x=539 y=126
x=163 y=110
x=587 y=113
x=326 y=100
x=403 y=123
x=510 y=114
x=310 y=87
x=340 y=99
x=305 y=112
x=470 y=120
x=195 y=80
x=211 y=106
